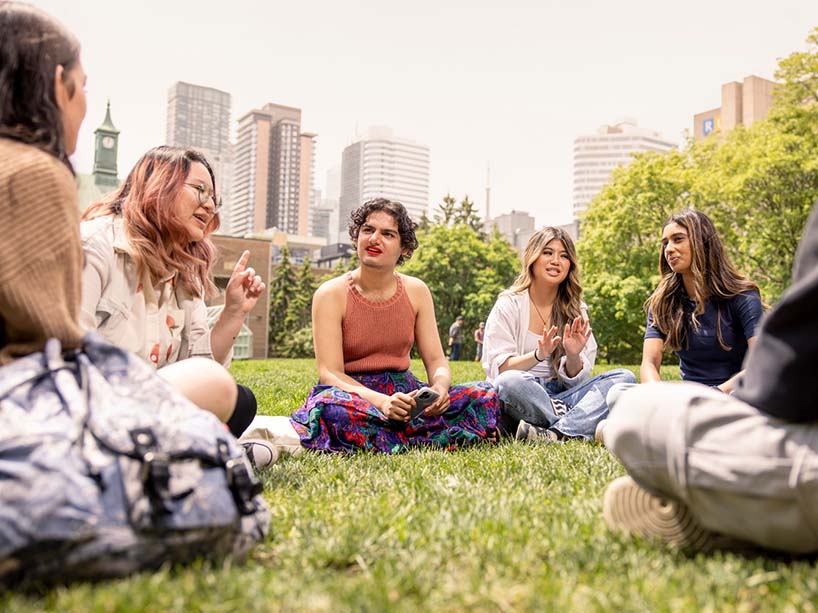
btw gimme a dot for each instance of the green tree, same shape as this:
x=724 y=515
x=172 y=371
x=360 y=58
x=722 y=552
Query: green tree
x=282 y=289
x=298 y=314
x=619 y=247
x=757 y=183
x=466 y=213
x=464 y=274
x=446 y=211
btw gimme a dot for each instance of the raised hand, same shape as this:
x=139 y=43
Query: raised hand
x=576 y=335
x=244 y=287
x=547 y=342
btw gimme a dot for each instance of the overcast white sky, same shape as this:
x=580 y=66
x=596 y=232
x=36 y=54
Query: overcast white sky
x=507 y=83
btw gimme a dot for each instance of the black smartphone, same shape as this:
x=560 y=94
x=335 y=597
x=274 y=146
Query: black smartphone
x=423 y=399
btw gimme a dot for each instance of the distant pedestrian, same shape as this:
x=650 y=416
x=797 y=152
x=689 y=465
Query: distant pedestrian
x=478 y=341
x=456 y=338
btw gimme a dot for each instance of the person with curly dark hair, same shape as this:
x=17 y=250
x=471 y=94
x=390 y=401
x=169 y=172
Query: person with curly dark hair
x=364 y=326
x=406 y=226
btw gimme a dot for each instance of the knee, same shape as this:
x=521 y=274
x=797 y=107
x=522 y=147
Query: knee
x=628 y=416
x=508 y=384
x=616 y=391
x=209 y=385
x=623 y=376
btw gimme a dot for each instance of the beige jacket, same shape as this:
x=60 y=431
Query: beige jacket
x=159 y=323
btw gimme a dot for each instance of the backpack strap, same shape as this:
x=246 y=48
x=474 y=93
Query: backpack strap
x=155 y=471
x=242 y=482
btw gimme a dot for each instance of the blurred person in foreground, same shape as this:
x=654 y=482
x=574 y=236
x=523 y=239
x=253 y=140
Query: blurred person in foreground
x=42 y=104
x=709 y=469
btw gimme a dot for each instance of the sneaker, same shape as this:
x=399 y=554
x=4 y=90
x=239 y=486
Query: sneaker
x=599 y=431
x=261 y=453
x=530 y=432
x=630 y=509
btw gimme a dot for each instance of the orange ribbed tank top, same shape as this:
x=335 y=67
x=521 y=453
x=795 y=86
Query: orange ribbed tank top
x=377 y=336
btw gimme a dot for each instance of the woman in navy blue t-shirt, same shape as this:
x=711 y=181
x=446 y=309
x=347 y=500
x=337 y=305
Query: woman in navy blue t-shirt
x=703 y=309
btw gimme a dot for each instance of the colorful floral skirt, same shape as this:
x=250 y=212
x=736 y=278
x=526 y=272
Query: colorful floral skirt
x=334 y=420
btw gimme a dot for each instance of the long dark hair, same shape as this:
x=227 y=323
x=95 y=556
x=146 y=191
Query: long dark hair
x=32 y=45
x=714 y=277
x=157 y=237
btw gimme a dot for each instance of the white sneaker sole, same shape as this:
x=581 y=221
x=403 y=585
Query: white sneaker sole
x=630 y=509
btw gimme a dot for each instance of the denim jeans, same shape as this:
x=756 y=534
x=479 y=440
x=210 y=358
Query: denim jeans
x=529 y=398
x=455 y=355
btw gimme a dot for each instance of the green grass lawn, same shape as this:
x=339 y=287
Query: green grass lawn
x=506 y=527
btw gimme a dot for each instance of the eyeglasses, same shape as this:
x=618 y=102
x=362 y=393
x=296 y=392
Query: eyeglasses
x=203 y=194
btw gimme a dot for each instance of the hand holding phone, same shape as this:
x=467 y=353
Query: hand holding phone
x=424 y=397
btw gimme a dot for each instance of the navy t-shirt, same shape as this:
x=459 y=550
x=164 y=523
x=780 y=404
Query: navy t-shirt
x=703 y=360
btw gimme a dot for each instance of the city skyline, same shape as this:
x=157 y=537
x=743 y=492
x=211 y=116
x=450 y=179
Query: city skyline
x=509 y=88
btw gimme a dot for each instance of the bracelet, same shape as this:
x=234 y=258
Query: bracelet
x=536 y=357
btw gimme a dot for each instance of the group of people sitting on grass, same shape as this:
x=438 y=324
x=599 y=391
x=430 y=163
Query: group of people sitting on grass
x=730 y=452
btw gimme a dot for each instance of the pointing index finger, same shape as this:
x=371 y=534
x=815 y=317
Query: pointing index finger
x=242 y=262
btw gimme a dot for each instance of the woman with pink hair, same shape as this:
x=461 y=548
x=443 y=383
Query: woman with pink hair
x=147 y=258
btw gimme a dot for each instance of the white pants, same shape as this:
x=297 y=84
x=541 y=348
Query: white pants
x=277 y=430
x=741 y=472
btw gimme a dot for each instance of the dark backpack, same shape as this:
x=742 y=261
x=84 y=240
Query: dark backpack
x=105 y=470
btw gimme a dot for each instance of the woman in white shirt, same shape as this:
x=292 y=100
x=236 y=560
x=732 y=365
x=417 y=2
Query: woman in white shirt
x=539 y=350
x=147 y=259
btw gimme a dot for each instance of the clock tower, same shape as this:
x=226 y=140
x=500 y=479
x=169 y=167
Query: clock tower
x=105 y=152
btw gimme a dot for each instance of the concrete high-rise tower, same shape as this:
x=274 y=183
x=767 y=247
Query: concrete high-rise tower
x=273 y=160
x=596 y=155
x=382 y=165
x=199 y=118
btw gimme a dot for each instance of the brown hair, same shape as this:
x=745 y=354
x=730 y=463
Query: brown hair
x=32 y=45
x=714 y=276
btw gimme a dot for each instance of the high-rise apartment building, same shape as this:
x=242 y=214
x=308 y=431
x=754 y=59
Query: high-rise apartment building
x=199 y=118
x=306 y=185
x=741 y=104
x=273 y=160
x=382 y=165
x=595 y=156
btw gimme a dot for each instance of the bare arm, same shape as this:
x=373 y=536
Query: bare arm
x=428 y=342
x=651 y=360
x=242 y=293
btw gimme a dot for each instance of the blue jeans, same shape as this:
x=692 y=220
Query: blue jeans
x=529 y=398
x=455 y=355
